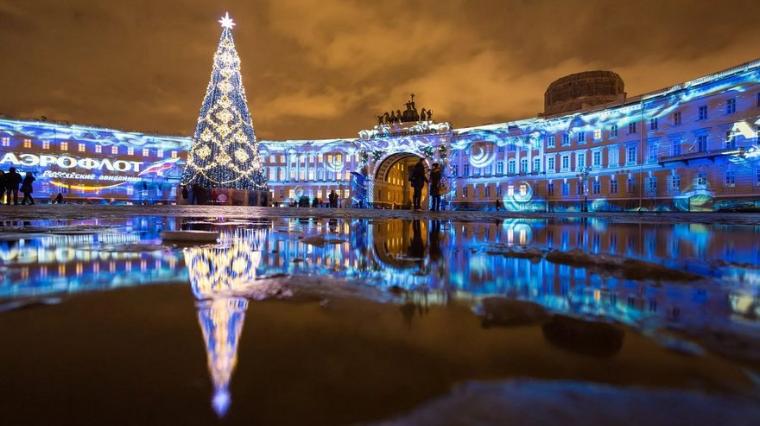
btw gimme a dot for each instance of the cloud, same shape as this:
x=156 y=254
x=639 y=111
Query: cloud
x=319 y=69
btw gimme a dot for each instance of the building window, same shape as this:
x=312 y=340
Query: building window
x=757 y=103
x=27 y=143
x=702 y=143
x=612 y=156
x=581 y=137
x=730 y=140
x=675 y=183
x=631 y=159
x=652 y=184
x=550 y=164
x=81 y=147
x=464 y=191
x=596 y=159
x=614 y=131
x=130 y=150
x=653 y=149
x=536 y=165
x=565 y=189
x=45 y=144
x=524 y=165
x=500 y=167
x=676 y=151
x=64 y=146
x=731 y=106
x=160 y=153
x=580 y=187
x=550 y=188
x=511 y=167
x=466 y=170
x=145 y=152
x=565 y=162
x=488 y=191
x=550 y=141
x=613 y=186
x=565 y=139
x=703 y=112
x=598 y=134
x=730 y=178
x=580 y=161
x=98 y=149
x=632 y=128
x=174 y=154
x=596 y=187
x=6 y=141
x=455 y=170
x=677 y=118
x=701 y=179
x=114 y=150
x=631 y=185
x=523 y=189
x=757 y=176
x=653 y=124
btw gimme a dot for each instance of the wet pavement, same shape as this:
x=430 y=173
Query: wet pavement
x=300 y=316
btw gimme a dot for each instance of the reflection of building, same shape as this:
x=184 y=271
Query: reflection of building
x=692 y=146
x=38 y=265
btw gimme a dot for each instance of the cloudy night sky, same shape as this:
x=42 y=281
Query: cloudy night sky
x=320 y=69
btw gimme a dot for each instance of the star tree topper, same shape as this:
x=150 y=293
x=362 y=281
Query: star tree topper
x=226 y=21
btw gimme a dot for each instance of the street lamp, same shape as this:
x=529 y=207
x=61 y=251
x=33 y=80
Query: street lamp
x=583 y=175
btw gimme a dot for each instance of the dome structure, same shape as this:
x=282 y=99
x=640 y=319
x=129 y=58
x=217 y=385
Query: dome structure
x=582 y=90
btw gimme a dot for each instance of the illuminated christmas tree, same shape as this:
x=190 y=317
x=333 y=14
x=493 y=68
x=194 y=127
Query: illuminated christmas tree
x=225 y=153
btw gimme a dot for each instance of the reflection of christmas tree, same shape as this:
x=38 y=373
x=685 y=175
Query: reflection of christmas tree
x=218 y=275
x=225 y=151
x=221 y=321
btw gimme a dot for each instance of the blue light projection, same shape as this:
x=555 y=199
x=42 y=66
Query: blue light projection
x=92 y=162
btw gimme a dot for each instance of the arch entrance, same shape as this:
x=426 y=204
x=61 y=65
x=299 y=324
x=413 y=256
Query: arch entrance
x=392 y=188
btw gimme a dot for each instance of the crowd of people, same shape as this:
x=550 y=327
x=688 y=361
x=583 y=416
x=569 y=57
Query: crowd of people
x=10 y=184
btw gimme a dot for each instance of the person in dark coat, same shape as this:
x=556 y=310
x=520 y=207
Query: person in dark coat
x=435 y=186
x=26 y=188
x=333 y=197
x=2 y=187
x=12 y=181
x=418 y=180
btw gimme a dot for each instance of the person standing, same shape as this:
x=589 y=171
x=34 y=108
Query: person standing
x=12 y=181
x=26 y=188
x=2 y=187
x=418 y=180
x=333 y=197
x=435 y=186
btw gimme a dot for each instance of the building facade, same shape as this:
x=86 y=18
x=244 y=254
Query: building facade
x=694 y=146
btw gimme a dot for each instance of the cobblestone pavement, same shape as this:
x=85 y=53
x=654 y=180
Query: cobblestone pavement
x=81 y=211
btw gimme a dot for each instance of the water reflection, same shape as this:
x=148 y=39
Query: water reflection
x=422 y=262
x=217 y=274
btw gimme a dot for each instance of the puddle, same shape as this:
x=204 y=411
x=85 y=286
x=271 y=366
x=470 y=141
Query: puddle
x=345 y=321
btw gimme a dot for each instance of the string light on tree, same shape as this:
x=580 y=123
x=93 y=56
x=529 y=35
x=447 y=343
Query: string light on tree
x=225 y=151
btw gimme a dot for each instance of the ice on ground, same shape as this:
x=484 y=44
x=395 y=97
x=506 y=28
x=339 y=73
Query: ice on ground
x=616 y=265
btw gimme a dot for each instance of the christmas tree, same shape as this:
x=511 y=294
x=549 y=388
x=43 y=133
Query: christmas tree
x=225 y=152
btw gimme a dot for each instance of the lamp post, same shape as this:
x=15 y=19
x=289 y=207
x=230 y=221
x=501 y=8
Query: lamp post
x=583 y=175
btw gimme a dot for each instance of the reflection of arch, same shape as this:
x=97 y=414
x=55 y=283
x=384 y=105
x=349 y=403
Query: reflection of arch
x=388 y=190
x=392 y=243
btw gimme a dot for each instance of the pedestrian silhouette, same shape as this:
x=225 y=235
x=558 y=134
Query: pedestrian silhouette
x=26 y=188
x=12 y=181
x=418 y=180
